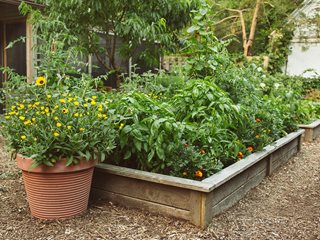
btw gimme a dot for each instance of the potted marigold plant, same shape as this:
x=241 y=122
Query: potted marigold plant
x=57 y=134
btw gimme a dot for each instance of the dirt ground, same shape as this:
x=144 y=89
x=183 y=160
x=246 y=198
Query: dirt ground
x=284 y=206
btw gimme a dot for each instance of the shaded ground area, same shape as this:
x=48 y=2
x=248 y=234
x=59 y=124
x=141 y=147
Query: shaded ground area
x=284 y=206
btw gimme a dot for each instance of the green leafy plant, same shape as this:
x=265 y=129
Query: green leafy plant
x=52 y=123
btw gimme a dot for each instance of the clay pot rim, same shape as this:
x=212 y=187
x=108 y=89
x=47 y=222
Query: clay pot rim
x=25 y=164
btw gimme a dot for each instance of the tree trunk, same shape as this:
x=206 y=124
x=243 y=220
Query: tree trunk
x=249 y=43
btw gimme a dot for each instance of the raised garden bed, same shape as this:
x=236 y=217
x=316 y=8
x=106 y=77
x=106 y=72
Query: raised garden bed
x=195 y=201
x=312 y=131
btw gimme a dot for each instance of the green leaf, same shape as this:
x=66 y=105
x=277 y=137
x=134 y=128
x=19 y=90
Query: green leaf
x=127 y=155
x=193 y=29
x=137 y=144
x=69 y=161
x=151 y=155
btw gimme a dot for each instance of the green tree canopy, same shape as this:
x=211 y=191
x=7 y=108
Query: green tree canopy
x=133 y=21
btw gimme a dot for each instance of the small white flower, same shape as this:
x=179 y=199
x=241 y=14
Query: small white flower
x=276 y=85
x=263 y=85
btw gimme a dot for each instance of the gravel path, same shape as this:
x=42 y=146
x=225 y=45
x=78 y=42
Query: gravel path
x=284 y=206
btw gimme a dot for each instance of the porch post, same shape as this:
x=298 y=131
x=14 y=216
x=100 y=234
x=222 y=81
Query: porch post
x=29 y=59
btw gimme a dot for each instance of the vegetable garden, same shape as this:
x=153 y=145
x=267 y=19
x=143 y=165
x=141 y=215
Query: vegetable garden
x=190 y=123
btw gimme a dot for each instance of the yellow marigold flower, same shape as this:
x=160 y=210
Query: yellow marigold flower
x=22 y=118
x=33 y=119
x=29 y=105
x=105 y=116
x=56 y=134
x=70 y=99
x=38 y=113
x=12 y=113
x=94 y=97
x=42 y=107
x=100 y=109
x=99 y=115
x=56 y=107
x=48 y=96
x=56 y=118
x=69 y=127
x=48 y=114
x=62 y=100
x=46 y=110
x=81 y=115
x=58 y=124
x=13 y=107
x=41 y=81
x=37 y=103
x=7 y=117
x=93 y=102
x=21 y=106
x=76 y=103
x=85 y=105
x=53 y=111
x=27 y=122
x=65 y=110
x=100 y=105
x=81 y=129
x=121 y=126
x=76 y=114
x=23 y=137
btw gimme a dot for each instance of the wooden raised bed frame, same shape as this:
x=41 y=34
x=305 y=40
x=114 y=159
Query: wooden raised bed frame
x=312 y=131
x=195 y=201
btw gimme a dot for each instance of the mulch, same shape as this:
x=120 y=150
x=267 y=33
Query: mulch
x=285 y=205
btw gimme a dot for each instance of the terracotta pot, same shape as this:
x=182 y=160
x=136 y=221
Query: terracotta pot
x=57 y=192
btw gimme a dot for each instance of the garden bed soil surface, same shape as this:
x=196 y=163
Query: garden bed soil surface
x=284 y=206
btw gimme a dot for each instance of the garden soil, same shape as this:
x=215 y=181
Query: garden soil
x=284 y=206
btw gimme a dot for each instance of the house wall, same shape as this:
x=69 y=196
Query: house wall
x=305 y=46
x=304 y=56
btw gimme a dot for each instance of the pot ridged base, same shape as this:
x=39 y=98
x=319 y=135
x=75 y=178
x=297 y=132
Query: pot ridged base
x=57 y=192
x=58 y=195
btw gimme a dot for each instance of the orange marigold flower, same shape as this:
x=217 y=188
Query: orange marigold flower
x=250 y=149
x=258 y=136
x=258 y=120
x=240 y=155
x=199 y=174
x=202 y=151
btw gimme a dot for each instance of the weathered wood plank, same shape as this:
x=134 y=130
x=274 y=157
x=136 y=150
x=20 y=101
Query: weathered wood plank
x=233 y=198
x=236 y=182
x=154 y=177
x=197 y=208
x=279 y=153
x=147 y=191
x=316 y=132
x=284 y=158
x=136 y=203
